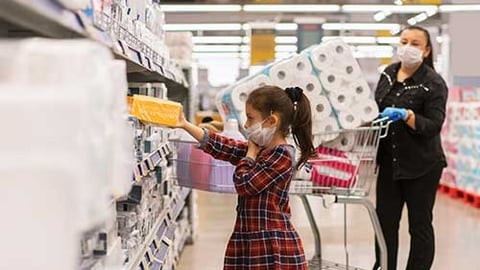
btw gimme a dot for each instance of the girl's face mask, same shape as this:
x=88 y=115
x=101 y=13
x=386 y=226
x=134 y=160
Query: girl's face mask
x=262 y=136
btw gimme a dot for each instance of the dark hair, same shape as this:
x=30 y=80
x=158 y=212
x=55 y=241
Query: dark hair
x=429 y=59
x=207 y=119
x=267 y=99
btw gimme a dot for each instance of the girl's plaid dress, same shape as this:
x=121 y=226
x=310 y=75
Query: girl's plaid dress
x=263 y=238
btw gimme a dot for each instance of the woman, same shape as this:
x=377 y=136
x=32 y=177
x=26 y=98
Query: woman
x=411 y=158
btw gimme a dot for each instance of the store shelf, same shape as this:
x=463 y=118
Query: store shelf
x=469 y=198
x=48 y=18
x=153 y=241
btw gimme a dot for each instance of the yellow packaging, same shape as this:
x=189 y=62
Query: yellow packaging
x=155 y=110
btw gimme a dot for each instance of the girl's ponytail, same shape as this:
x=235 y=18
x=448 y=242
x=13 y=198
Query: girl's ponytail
x=301 y=124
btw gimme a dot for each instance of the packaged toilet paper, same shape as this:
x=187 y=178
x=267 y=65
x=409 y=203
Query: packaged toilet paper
x=155 y=110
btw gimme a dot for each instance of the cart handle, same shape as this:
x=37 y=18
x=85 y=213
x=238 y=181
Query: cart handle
x=384 y=124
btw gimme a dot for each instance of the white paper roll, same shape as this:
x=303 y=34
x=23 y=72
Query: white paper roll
x=239 y=96
x=322 y=57
x=325 y=129
x=350 y=71
x=331 y=80
x=321 y=108
x=367 y=110
x=342 y=100
x=282 y=74
x=302 y=64
x=360 y=89
x=260 y=81
x=310 y=85
x=349 y=119
x=345 y=142
x=341 y=51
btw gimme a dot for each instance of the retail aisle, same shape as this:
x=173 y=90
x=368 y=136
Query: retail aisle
x=457 y=229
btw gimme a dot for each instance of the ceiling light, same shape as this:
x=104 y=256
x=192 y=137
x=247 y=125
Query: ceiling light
x=412 y=21
x=278 y=26
x=216 y=48
x=459 y=7
x=352 y=39
x=388 y=40
x=382 y=15
x=217 y=39
x=291 y=8
x=286 y=39
x=210 y=55
x=390 y=8
x=200 y=8
x=203 y=27
x=285 y=48
x=361 y=26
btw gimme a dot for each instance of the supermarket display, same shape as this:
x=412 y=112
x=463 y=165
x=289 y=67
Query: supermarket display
x=330 y=77
x=461 y=142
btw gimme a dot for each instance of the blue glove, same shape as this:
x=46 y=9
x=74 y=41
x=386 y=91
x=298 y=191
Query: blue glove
x=394 y=114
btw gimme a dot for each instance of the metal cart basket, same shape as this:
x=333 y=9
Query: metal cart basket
x=342 y=173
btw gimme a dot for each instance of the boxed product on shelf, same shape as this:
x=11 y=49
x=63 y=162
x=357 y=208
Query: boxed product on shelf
x=155 y=110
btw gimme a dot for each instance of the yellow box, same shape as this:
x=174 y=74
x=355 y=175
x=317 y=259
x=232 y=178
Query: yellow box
x=155 y=110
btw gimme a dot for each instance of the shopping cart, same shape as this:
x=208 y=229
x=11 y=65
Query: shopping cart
x=342 y=176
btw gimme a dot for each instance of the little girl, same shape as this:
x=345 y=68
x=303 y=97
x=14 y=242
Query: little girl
x=264 y=238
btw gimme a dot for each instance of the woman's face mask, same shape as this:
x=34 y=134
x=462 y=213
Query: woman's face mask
x=409 y=55
x=262 y=136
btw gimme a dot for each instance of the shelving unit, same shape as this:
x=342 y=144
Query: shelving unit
x=47 y=18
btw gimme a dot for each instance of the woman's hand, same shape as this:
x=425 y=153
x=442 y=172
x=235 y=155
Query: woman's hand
x=253 y=149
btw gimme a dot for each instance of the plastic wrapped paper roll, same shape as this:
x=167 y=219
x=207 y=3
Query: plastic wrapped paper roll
x=366 y=110
x=344 y=142
x=302 y=64
x=331 y=80
x=310 y=85
x=282 y=75
x=321 y=108
x=341 y=100
x=360 y=89
x=259 y=81
x=349 y=119
x=239 y=96
x=324 y=130
x=322 y=57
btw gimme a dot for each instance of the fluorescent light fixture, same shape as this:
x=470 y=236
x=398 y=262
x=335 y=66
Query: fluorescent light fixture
x=216 y=48
x=420 y=17
x=390 y=8
x=286 y=27
x=278 y=40
x=374 y=51
x=200 y=8
x=388 y=40
x=286 y=39
x=459 y=7
x=412 y=21
x=285 y=48
x=278 y=26
x=291 y=8
x=382 y=15
x=353 y=39
x=217 y=40
x=361 y=26
x=203 y=27
x=197 y=55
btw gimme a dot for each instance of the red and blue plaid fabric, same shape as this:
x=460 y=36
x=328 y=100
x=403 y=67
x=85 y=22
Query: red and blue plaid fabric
x=263 y=238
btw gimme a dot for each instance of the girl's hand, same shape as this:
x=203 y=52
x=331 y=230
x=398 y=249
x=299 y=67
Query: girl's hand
x=253 y=150
x=181 y=122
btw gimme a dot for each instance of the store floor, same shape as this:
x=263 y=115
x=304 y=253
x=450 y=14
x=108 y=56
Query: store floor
x=457 y=230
